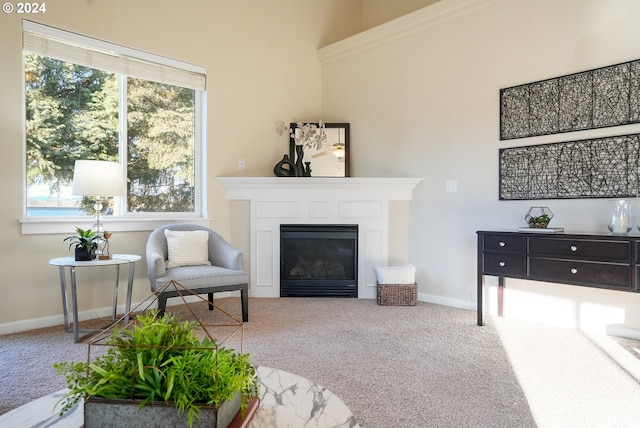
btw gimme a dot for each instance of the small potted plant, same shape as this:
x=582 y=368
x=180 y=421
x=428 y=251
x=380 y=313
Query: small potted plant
x=86 y=242
x=157 y=371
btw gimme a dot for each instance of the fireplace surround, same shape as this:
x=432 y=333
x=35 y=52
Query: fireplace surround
x=276 y=201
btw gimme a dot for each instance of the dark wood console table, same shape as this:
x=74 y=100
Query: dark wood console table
x=589 y=260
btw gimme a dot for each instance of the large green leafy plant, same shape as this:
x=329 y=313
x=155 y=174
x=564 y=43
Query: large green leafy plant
x=162 y=359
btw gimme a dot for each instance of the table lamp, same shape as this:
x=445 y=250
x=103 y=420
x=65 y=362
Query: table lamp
x=98 y=179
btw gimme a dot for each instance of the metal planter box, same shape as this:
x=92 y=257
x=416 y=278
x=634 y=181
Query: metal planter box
x=103 y=412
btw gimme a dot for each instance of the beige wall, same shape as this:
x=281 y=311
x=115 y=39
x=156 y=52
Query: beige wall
x=262 y=68
x=376 y=12
x=425 y=103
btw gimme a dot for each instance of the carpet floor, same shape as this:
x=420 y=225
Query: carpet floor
x=396 y=366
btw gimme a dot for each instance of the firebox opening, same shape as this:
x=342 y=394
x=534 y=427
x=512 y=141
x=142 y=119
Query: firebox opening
x=318 y=260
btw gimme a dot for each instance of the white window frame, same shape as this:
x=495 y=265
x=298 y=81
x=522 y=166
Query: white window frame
x=127 y=62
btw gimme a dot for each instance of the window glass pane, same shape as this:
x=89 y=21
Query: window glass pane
x=71 y=113
x=160 y=147
x=90 y=99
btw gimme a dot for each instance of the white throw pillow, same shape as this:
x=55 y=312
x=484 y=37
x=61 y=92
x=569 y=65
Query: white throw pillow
x=396 y=274
x=187 y=248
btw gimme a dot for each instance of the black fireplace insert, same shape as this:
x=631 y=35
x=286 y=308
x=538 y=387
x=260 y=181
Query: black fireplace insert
x=318 y=260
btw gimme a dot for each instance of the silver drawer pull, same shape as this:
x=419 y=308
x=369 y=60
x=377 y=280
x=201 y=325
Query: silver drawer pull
x=502 y=264
x=574 y=248
x=574 y=270
x=502 y=243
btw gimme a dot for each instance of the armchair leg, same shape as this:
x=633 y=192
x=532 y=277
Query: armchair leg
x=244 y=291
x=162 y=304
x=210 y=295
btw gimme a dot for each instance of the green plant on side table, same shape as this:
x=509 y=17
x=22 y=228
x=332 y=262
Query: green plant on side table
x=161 y=359
x=86 y=242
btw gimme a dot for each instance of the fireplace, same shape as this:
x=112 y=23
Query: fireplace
x=361 y=201
x=318 y=260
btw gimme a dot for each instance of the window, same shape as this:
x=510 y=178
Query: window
x=89 y=99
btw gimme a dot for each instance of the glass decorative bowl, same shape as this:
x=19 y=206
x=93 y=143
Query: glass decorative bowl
x=538 y=217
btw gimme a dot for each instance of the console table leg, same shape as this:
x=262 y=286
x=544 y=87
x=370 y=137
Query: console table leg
x=500 y=296
x=480 y=305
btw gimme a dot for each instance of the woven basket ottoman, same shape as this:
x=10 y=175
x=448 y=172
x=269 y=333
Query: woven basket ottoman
x=397 y=294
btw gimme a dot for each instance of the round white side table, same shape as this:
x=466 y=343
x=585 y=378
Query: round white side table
x=72 y=264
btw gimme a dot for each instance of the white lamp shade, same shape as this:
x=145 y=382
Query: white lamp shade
x=98 y=178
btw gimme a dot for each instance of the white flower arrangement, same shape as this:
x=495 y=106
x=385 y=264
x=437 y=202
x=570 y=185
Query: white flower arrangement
x=309 y=135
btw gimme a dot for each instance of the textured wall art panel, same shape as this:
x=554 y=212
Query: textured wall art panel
x=607 y=96
x=605 y=167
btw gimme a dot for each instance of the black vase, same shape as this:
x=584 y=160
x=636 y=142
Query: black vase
x=285 y=168
x=300 y=171
x=82 y=255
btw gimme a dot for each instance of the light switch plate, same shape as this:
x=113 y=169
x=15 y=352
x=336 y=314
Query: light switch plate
x=451 y=186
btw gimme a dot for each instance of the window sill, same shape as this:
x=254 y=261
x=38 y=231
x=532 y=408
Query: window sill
x=38 y=226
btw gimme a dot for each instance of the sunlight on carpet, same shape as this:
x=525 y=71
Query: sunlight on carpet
x=571 y=378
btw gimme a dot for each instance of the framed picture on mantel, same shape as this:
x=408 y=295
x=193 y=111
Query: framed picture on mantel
x=330 y=160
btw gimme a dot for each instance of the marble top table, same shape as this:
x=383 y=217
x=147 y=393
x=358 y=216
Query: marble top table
x=286 y=401
x=72 y=264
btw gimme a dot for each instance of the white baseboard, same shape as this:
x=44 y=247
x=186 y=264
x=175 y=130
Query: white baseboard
x=445 y=301
x=621 y=330
x=54 y=320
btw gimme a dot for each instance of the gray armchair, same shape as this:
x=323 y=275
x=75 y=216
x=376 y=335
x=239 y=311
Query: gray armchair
x=224 y=274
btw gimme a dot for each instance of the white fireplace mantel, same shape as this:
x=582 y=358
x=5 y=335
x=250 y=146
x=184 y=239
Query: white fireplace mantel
x=316 y=200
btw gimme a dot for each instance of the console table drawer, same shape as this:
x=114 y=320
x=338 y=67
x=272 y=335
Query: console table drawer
x=602 y=275
x=503 y=243
x=581 y=249
x=500 y=264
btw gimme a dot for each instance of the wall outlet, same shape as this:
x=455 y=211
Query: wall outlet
x=241 y=164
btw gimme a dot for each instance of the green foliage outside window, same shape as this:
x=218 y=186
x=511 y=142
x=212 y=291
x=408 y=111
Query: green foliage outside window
x=72 y=112
x=160 y=147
